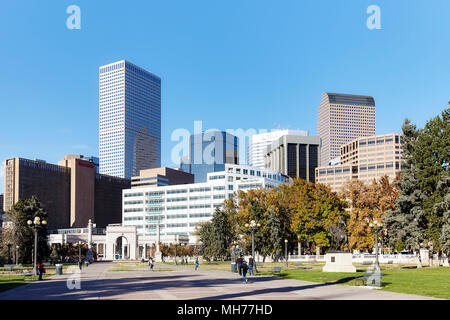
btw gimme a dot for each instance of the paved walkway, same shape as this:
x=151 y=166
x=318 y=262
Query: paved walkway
x=185 y=283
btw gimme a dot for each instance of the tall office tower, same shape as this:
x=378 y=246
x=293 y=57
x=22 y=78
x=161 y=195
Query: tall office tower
x=342 y=118
x=257 y=144
x=130 y=119
x=209 y=152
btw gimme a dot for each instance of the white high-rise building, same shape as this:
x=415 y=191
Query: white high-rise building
x=257 y=144
x=130 y=119
x=180 y=208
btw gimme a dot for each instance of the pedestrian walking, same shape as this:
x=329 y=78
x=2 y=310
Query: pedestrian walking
x=250 y=266
x=80 y=265
x=41 y=269
x=244 y=271
x=150 y=263
x=239 y=262
x=196 y=263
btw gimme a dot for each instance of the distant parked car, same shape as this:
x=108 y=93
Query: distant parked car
x=100 y=257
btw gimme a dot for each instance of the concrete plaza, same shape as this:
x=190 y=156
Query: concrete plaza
x=185 y=283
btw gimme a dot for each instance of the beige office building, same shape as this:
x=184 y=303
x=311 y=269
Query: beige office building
x=159 y=177
x=342 y=118
x=71 y=192
x=364 y=159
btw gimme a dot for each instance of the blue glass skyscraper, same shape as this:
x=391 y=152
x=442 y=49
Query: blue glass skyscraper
x=208 y=152
x=130 y=119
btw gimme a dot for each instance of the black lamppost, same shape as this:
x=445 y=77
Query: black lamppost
x=233 y=251
x=285 y=251
x=36 y=222
x=252 y=227
x=376 y=227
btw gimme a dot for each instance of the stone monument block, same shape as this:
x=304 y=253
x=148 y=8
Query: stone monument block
x=446 y=263
x=425 y=257
x=158 y=256
x=339 y=262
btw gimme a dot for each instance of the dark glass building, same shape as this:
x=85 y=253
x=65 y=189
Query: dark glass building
x=208 y=152
x=295 y=156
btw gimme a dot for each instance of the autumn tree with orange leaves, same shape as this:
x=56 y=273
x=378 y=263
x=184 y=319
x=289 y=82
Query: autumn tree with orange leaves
x=367 y=202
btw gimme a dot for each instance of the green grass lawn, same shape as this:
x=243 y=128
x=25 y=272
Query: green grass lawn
x=137 y=266
x=433 y=282
x=8 y=282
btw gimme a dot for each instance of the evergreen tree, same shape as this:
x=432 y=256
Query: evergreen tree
x=276 y=232
x=432 y=157
x=217 y=235
x=222 y=234
x=19 y=233
x=443 y=209
x=406 y=223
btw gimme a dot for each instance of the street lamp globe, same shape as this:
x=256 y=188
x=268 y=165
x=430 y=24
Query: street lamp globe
x=29 y=222
x=246 y=225
x=285 y=241
x=258 y=225
x=44 y=222
x=252 y=222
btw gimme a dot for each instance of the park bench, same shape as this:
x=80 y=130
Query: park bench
x=213 y=262
x=259 y=264
x=276 y=269
x=27 y=273
x=369 y=276
x=367 y=262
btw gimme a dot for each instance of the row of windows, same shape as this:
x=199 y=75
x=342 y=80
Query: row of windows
x=200 y=198
x=176 y=208
x=176 y=216
x=132 y=218
x=176 y=225
x=133 y=202
x=250 y=186
x=199 y=206
x=133 y=194
x=199 y=215
x=133 y=210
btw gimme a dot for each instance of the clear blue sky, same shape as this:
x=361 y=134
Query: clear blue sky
x=232 y=64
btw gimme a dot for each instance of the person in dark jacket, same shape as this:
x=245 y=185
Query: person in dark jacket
x=244 y=271
x=150 y=263
x=41 y=269
x=239 y=262
x=250 y=266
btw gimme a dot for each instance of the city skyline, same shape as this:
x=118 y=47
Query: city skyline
x=402 y=66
